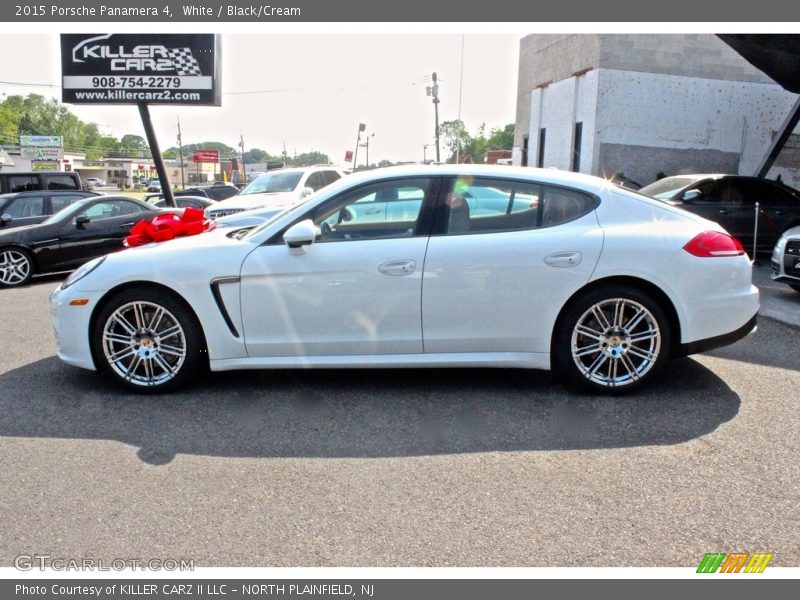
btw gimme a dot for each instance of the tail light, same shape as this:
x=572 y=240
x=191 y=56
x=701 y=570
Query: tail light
x=713 y=243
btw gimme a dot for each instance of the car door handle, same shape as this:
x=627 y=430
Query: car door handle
x=398 y=267
x=126 y=225
x=372 y=211
x=563 y=259
x=723 y=211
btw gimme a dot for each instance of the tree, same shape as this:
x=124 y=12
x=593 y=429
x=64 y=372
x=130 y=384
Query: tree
x=256 y=155
x=455 y=135
x=309 y=158
x=134 y=146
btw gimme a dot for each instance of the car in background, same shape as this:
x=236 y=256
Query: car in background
x=220 y=191
x=183 y=201
x=93 y=182
x=31 y=208
x=277 y=189
x=154 y=186
x=81 y=231
x=730 y=201
x=17 y=181
x=601 y=284
x=785 y=260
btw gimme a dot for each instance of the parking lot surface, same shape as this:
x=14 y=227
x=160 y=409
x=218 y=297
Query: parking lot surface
x=398 y=468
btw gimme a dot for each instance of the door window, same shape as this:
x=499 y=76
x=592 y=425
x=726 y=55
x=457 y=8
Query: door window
x=380 y=210
x=61 y=182
x=61 y=201
x=110 y=209
x=29 y=206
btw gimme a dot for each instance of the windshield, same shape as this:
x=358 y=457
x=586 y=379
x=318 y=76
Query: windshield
x=663 y=189
x=273 y=182
x=66 y=211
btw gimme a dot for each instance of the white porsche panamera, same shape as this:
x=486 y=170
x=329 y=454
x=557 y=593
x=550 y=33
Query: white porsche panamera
x=420 y=266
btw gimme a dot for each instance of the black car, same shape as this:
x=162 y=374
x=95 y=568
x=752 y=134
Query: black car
x=31 y=208
x=182 y=201
x=219 y=191
x=730 y=201
x=83 y=230
x=16 y=181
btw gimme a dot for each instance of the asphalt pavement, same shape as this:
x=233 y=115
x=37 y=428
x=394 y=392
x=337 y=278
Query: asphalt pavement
x=472 y=467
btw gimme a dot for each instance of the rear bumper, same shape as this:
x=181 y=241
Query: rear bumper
x=719 y=340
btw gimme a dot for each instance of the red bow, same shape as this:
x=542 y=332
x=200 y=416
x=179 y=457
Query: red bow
x=168 y=226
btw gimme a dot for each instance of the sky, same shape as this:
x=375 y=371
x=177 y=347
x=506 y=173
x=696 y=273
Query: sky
x=315 y=89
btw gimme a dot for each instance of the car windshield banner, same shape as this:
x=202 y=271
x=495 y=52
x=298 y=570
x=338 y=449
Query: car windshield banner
x=133 y=68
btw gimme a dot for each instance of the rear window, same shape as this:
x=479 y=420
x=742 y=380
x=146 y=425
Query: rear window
x=62 y=182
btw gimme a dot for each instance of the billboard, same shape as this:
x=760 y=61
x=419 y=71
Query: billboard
x=43 y=141
x=154 y=68
x=205 y=156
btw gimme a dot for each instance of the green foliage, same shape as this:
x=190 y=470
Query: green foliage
x=456 y=139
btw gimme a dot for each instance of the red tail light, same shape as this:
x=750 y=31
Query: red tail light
x=713 y=243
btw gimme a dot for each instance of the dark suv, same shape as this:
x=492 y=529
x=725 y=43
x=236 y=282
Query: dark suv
x=39 y=180
x=31 y=208
x=730 y=201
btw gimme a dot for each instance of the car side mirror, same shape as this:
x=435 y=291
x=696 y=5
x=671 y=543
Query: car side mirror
x=81 y=221
x=307 y=191
x=300 y=234
x=691 y=195
x=5 y=219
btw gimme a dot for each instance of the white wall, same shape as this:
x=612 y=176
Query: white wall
x=668 y=111
x=557 y=108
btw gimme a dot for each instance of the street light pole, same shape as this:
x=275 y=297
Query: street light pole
x=241 y=146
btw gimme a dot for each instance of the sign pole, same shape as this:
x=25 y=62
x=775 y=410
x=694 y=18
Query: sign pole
x=147 y=123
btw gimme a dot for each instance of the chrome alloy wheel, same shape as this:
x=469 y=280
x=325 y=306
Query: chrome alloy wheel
x=144 y=343
x=15 y=268
x=616 y=342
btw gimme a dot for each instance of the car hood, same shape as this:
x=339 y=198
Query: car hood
x=250 y=201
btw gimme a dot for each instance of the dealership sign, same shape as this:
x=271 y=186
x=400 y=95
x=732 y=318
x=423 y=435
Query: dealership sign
x=42 y=153
x=42 y=141
x=134 y=68
x=206 y=156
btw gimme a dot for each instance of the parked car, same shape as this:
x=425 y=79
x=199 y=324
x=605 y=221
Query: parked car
x=93 y=182
x=600 y=283
x=12 y=182
x=85 y=229
x=154 y=186
x=786 y=259
x=730 y=201
x=277 y=189
x=220 y=191
x=183 y=201
x=31 y=208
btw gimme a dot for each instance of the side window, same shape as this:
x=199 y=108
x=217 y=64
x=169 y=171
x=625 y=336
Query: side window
x=111 y=209
x=489 y=205
x=61 y=182
x=486 y=205
x=712 y=192
x=60 y=201
x=387 y=209
x=315 y=181
x=23 y=183
x=29 y=206
x=330 y=176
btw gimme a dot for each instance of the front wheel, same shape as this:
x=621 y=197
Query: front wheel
x=611 y=339
x=148 y=341
x=16 y=267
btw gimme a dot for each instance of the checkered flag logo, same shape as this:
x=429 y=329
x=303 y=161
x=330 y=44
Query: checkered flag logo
x=184 y=62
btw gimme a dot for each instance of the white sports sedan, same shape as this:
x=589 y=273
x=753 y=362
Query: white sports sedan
x=400 y=267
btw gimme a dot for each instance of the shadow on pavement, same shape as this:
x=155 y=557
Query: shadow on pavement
x=361 y=413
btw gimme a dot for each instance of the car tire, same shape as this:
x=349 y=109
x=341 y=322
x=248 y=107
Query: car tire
x=611 y=340
x=16 y=267
x=148 y=341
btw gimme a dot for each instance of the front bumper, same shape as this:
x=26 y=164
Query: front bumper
x=72 y=325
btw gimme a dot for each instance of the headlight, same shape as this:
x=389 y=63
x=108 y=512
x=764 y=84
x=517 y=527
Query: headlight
x=82 y=272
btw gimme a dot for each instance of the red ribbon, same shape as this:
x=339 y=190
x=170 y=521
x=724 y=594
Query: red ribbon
x=168 y=226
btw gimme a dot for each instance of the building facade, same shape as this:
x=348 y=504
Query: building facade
x=643 y=105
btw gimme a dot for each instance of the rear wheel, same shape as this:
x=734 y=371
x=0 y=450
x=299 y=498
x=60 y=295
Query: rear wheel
x=611 y=339
x=16 y=267
x=148 y=341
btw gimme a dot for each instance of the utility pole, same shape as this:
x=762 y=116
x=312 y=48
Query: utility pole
x=180 y=153
x=241 y=146
x=433 y=91
x=361 y=127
